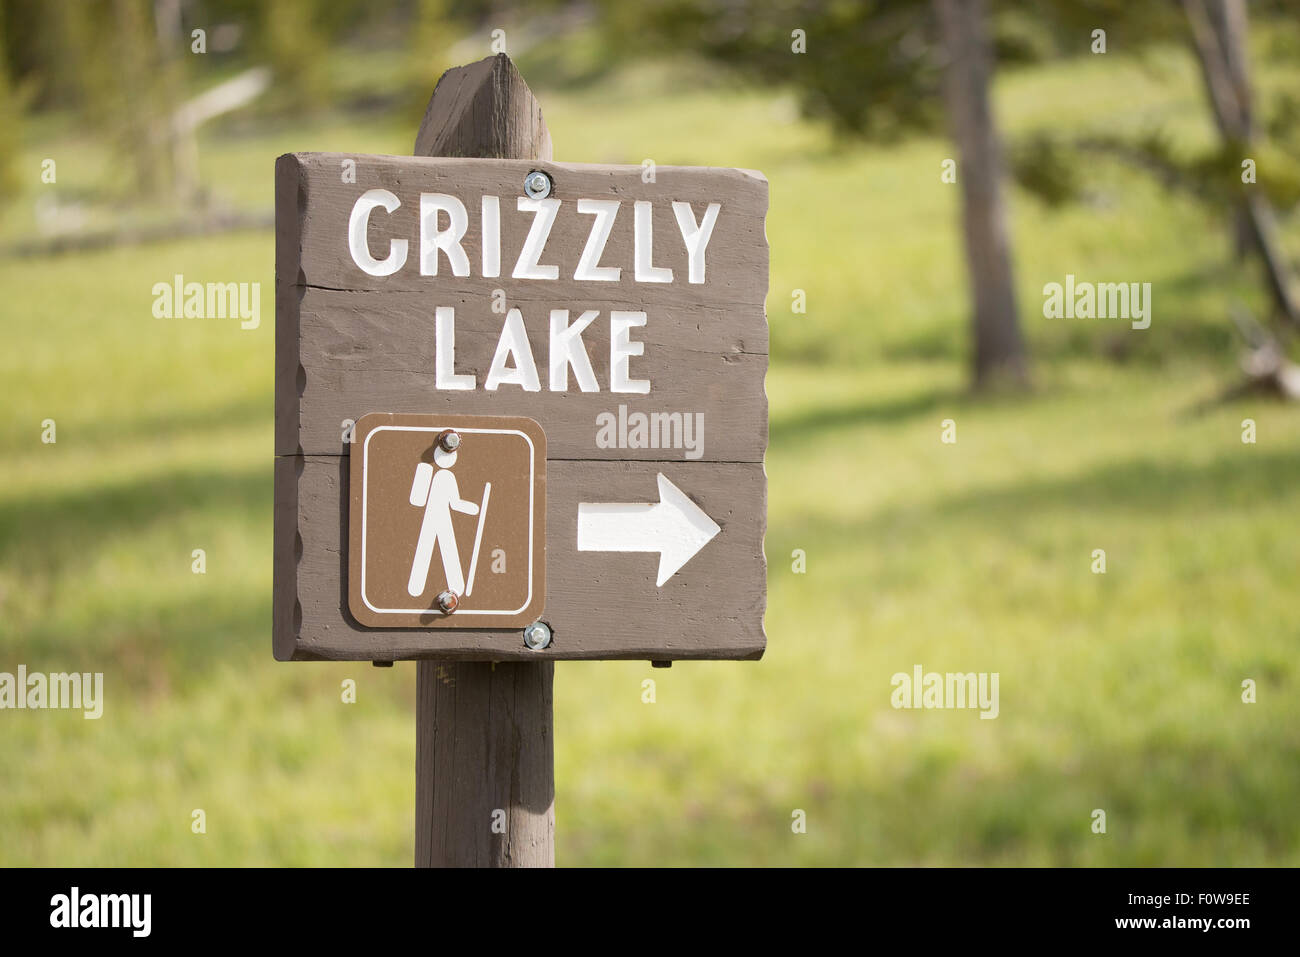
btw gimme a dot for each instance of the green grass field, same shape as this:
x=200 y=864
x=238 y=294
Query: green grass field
x=1119 y=691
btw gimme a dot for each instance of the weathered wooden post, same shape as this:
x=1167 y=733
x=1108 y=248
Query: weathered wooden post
x=484 y=765
x=444 y=493
x=484 y=748
x=482 y=730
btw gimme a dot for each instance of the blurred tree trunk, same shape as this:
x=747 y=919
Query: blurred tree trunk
x=182 y=143
x=298 y=50
x=11 y=113
x=1230 y=105
x=135 y=116
x=1228 y=18
x=999 y=346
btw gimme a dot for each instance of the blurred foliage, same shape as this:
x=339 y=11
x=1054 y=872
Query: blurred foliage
x=11 y=116
x=1047 y=164
x=294 y=41
x=78 y=55
x=430 y=42
x=870 y=68
x=122 y=67
x=104 y=60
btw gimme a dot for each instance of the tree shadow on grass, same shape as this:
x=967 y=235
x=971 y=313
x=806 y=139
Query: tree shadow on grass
x=1248 y=479
x=99 y=428
x=43 y=531
x=246 y=411
x=812 y=424
x=164 y=645
x=1201 y=798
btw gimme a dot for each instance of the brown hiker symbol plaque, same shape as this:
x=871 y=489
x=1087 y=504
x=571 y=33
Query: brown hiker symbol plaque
x=447 y=521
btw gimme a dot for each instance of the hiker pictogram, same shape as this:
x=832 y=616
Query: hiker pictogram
x=435 y=490
x=448 y=527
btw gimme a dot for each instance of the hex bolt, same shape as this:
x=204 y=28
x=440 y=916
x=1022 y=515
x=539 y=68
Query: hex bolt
x=448 y=601
x=537 y=635
x=449 y=440
x=537 y=185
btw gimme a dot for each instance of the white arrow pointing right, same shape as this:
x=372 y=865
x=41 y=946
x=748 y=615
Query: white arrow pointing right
x=675 y=527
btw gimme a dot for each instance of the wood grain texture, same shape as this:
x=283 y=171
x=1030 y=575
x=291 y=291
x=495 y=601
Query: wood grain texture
x=354 y=367
x=736 y=275
x=286 y=610
x=365 y=343
x=599 y=605
x=484 y=109
x=289 y=287
x=484 y=741
x=484 y=744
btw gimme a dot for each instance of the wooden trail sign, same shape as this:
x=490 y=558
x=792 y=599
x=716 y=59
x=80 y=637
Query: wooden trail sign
x=625 y=317
x=626 y=455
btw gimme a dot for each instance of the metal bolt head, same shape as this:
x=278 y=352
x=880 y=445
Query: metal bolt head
x=449 y=440
x=537 y=185
x=537 y=635
x=448 y=601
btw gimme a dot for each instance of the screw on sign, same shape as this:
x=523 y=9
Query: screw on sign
x=556 y=373
x=537 y=185
x=537 y=635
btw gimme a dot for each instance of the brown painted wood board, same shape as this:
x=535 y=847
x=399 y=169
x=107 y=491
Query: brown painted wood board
x=351 y=343
x=375 y=353
x=339 y=352
x=599 y=605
